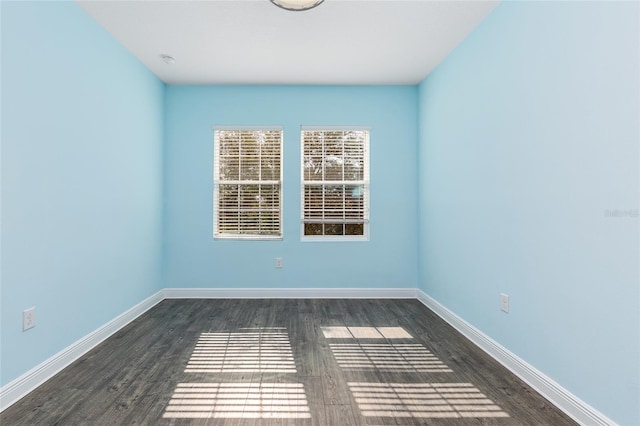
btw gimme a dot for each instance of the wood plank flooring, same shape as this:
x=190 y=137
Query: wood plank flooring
x=285 y=362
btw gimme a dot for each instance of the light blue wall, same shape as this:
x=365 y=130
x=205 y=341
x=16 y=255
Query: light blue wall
x=194 y=259
x=528 y=145
x=81 y=180
x=528 y=140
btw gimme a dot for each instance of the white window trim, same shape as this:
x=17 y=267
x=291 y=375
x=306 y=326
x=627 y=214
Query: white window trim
x=367 y=183
x=216 y=181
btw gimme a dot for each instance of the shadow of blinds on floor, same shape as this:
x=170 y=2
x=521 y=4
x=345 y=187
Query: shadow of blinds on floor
x=238 y=401
x=423 y=400
x=250 y=350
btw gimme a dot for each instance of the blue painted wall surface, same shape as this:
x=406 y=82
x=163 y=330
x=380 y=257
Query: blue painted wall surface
x=81 y=180
x=194 y=259
x=528 y=185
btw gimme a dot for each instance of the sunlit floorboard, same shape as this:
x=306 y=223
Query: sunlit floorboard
x=285 y=362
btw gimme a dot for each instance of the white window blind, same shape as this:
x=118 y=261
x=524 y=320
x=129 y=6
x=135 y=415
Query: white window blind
x=335 y=183
x=247 y=183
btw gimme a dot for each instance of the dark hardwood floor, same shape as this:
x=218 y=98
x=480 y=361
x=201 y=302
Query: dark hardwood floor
x=285 y=362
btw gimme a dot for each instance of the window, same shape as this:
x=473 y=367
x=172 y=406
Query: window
x=247 y=183
x=335 y=183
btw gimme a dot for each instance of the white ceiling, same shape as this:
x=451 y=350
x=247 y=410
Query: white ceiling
x=254 y=42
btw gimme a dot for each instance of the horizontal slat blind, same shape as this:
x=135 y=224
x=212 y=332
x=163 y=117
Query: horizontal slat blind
x=247 y=183
x=335 y=187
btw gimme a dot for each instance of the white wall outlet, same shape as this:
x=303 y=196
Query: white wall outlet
x=278 y=262
x=28 y=318
x=504 y=302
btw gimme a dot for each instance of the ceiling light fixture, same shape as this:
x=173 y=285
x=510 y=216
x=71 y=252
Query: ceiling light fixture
x=168 y=59
x=296 y=5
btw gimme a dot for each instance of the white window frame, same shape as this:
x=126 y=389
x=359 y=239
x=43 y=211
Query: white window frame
x=217 y=182
x=364 y=183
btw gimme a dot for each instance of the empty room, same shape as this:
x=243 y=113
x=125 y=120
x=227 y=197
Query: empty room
x=307 y=212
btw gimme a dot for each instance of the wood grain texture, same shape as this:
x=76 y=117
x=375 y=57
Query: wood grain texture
x=285 y=362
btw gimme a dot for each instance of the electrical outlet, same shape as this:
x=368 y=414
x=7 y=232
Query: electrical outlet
x=278 y=262
x=28 y=319
x=504 y=302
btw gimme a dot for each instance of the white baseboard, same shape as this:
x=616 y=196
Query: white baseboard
x=290 y=293
x=573 y=406
x=18 y=388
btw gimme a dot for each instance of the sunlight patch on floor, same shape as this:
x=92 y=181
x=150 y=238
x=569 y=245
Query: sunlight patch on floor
x=401 y=357
x=239 y=401
x=341 y=332
x=423 y=400
x=260 y=350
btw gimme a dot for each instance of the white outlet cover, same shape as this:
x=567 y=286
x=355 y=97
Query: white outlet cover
x=28 y=319
x=504 y=302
